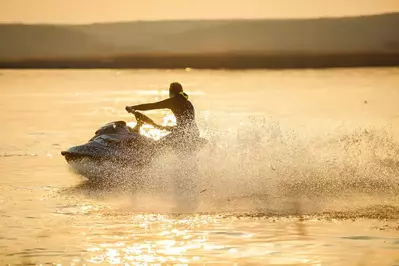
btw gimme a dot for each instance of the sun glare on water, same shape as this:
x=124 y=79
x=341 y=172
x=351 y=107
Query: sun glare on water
x=151 y=132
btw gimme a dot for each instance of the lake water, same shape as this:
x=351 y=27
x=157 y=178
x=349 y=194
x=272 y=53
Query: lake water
x=302 y=169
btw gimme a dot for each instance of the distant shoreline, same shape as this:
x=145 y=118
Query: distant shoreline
x=210 y=61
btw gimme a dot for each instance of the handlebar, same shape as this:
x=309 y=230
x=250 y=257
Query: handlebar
x=142 y=118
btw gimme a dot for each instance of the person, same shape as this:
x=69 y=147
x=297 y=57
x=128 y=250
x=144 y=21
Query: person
x=186 y=129
x=184 y=139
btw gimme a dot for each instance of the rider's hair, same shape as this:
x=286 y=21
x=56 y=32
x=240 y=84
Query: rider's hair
x=175 y=88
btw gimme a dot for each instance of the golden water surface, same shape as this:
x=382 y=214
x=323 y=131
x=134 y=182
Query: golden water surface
x=302 y=169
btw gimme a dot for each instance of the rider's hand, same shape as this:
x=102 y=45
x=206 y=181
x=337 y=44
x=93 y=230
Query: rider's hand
x=129 y=109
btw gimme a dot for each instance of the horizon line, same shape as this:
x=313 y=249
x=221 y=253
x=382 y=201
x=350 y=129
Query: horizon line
x=197 y=20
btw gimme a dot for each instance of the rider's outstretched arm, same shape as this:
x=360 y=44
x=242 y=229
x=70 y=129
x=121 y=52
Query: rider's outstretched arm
x=165 y=104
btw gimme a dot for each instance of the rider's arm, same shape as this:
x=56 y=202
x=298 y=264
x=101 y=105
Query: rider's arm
x=167 y=128
x=165 y=104
x=149 y=121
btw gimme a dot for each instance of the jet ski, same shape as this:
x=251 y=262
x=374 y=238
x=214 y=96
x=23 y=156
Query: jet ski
x=116 y=145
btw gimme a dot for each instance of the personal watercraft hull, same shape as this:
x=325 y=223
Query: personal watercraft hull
x=117 y=150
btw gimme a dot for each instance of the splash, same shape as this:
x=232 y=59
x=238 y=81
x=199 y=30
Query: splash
x=270 y=167
x=267 y=167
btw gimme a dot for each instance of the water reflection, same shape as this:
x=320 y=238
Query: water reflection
x=118 y=235
x=154 y=133
x=154 y=238
x=164 y=239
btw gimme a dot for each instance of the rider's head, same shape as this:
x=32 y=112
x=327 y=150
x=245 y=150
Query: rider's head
x=174 y=89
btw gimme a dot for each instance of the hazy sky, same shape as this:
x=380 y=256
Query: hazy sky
x=87 y=11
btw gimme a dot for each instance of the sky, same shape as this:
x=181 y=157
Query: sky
x=89 y=11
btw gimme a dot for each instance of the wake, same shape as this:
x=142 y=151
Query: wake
x=265 y=169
